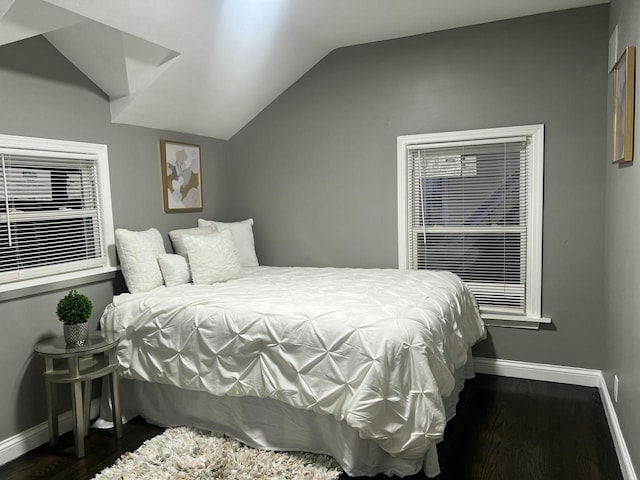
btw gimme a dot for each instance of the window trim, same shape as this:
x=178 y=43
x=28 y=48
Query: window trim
x=35 y=285
x=533 y=317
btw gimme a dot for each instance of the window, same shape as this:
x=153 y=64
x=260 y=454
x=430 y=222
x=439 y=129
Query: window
x=55 y=211
x=471 y=202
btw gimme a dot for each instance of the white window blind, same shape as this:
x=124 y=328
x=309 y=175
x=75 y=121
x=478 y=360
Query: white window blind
x=468 y=212
x=471 y=202
x=50 y=213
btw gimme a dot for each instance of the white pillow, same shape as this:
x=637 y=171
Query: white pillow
x=175 y=269
x=138 y=253
x=177 y=237
x=212 y=257
x=243 y=237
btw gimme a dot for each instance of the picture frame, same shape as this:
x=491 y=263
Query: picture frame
x=181 y=176
x=623 y=107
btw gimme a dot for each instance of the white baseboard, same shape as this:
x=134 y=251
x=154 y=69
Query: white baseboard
x=13 y=447
x=569 y=375
x=538 y=371
x=628 y=472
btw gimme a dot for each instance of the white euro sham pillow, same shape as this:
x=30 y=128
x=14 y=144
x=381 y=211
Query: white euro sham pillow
x=175 y=269
x=212 y=258
x=177 y=237
x=138 y=253
x=242 y=236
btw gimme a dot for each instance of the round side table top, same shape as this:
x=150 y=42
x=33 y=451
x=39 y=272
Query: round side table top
x=96 y=342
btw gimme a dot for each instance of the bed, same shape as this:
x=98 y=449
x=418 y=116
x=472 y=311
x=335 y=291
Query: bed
x=361 y=364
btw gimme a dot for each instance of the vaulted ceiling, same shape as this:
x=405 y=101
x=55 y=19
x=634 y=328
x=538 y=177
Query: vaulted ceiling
x=208 y=67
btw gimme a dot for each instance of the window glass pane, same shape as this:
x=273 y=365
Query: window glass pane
x=490 y=193
x=47 y=242
x=491 y=264
x=488 y=257
x=46 y=189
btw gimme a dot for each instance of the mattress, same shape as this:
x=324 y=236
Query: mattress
x=376 y=349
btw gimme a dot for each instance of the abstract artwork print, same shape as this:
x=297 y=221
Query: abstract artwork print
x=181 y=177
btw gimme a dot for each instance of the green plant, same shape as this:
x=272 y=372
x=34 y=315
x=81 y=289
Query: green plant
x=74 y=308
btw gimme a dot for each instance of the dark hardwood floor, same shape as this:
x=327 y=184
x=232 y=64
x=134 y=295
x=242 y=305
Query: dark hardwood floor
x=505 y=428
x=509 y=428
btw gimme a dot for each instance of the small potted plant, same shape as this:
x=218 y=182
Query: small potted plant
x=74 y=311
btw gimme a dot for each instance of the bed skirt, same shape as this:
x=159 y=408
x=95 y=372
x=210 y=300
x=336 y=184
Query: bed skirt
x=271 y=424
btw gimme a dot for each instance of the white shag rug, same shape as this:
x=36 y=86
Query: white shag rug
x=186 y=453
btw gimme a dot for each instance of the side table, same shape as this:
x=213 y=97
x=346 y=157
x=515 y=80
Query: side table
x=95 y=359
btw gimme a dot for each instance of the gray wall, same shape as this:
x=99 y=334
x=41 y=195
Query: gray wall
x=43 y=95
x=622 y=257
x=317 y=168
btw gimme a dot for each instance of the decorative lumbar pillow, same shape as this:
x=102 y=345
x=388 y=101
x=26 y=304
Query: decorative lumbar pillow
x=242 y=236
x=177 y=237
x=212 y=257
x=175 y=269
x=138 y=253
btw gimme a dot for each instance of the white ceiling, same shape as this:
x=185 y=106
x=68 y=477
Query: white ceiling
x=208 y=67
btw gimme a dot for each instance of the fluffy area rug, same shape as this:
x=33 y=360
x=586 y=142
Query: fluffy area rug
x=188 y=453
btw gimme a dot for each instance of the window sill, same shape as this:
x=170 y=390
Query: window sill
x=513 y=321
x=36 y=286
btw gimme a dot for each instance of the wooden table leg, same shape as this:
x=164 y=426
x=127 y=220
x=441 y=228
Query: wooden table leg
x=87 y=406
x=52 y=405
x=77 y=408
x=115 y=396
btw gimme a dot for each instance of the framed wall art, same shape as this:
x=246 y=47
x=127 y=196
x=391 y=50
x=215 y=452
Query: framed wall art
x=623 y=106
x=181 y=176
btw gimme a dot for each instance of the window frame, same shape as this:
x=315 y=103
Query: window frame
x=62 y=280
x=535 y=133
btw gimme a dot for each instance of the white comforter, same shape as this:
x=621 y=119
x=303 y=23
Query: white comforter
x=374 y=348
